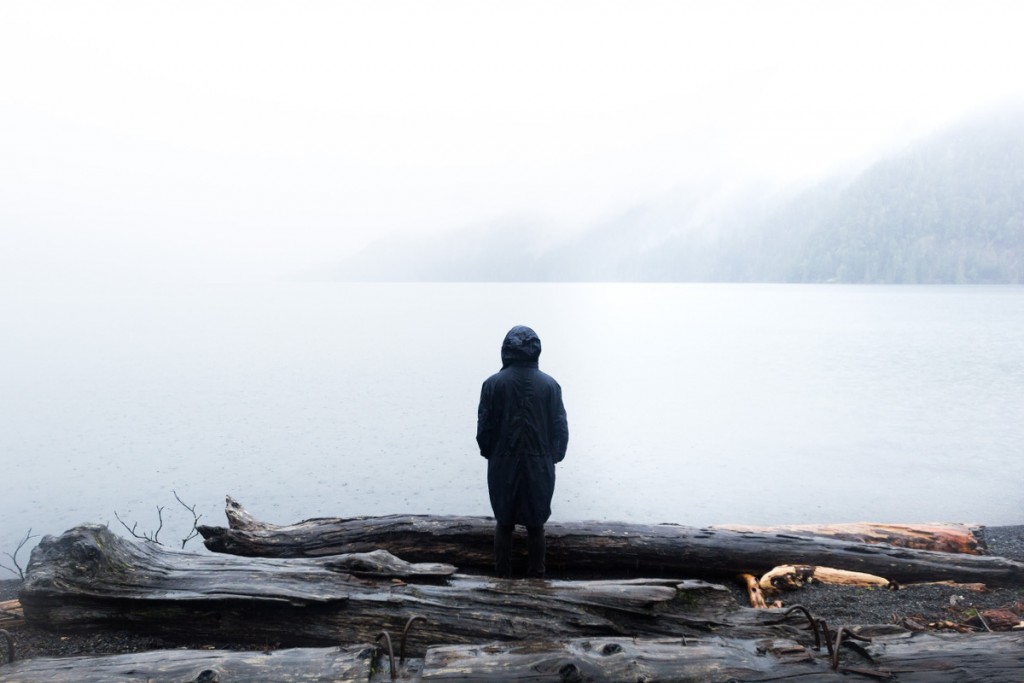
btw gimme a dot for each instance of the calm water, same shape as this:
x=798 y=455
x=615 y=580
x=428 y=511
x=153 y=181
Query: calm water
x=695 y=404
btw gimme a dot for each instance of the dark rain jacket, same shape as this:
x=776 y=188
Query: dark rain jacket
x=522 y=430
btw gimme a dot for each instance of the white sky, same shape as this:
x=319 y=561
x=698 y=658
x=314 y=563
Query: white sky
x=180 y=140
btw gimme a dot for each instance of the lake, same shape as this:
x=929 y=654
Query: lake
x=688 y=403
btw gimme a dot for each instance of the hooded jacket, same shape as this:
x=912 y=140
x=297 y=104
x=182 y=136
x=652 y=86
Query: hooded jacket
x=522 y=430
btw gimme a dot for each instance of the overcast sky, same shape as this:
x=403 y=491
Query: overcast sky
x=226 y=140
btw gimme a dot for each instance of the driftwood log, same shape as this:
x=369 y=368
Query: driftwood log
x=91 y=578
x=349 y=664
x=916 y=658
x=944 y=537
x=629 y=549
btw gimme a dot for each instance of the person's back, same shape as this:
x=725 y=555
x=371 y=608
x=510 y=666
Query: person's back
x=522 y=430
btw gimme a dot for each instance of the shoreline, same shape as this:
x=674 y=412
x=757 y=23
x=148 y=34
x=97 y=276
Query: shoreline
x=913 y=607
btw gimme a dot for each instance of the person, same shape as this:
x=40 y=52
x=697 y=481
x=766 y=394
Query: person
x=522 y=431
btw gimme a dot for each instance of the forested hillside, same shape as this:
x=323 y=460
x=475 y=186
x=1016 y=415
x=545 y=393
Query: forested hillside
x=948 y=211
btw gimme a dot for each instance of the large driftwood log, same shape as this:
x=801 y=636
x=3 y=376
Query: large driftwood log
x=91 y=578
x=920 y=658
x=944 y=537
x=602 y=547
x=351 y=664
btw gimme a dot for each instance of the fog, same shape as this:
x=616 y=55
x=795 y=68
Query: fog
x=235 y=141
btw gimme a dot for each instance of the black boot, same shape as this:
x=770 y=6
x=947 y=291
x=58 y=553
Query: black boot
x=503 y=551
x=535 y=544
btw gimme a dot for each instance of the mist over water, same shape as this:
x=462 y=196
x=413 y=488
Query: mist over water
x=638 y=142
x=688 y=403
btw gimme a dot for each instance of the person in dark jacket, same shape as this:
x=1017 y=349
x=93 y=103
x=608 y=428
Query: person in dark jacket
x=522 y=430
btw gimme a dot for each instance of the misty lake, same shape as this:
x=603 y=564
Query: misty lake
x=687 y=403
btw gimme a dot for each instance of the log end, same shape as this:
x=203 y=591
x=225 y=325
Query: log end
x=242 y=519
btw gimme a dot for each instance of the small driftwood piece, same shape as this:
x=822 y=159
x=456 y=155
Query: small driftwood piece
x=10 y=614
x=91 y=578
x=607 y=547
x=791 y=577
x=754 y=592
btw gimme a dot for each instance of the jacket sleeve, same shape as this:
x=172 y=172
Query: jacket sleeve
x=559 y=426
x=485 y=426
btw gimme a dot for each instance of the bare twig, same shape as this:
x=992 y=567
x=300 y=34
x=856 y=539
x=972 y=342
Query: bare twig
x=153 y=537
x=195 y=519
x=14 y=556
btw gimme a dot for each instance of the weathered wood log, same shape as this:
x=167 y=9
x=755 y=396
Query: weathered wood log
x=91 y=578
x=351 y=664
x=950 y=537
x=940 y=657
x=918 y=658
x=98 y=563
x=705 y=660
x=944 y=537
x=602 y=547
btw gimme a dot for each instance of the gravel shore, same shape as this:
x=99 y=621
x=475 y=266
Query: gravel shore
x=911 y=606
x=923 y=604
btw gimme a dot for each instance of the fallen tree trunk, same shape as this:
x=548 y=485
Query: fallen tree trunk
x=91 y=578
x=922 y=658
x=938 y=657
x=311 y=665
x=602 y=547
x=944 y=537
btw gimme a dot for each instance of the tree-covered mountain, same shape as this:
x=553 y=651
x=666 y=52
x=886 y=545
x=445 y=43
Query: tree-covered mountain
x=949 y=209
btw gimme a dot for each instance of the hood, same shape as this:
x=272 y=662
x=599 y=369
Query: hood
x=521 y=345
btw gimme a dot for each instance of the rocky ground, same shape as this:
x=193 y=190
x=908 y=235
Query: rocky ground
x=926 y=606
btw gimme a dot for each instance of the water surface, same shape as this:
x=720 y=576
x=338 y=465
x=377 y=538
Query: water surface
x=688 y=403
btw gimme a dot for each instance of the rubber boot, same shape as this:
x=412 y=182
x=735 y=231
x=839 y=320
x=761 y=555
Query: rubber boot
x=503 y=551
x=537 y=550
